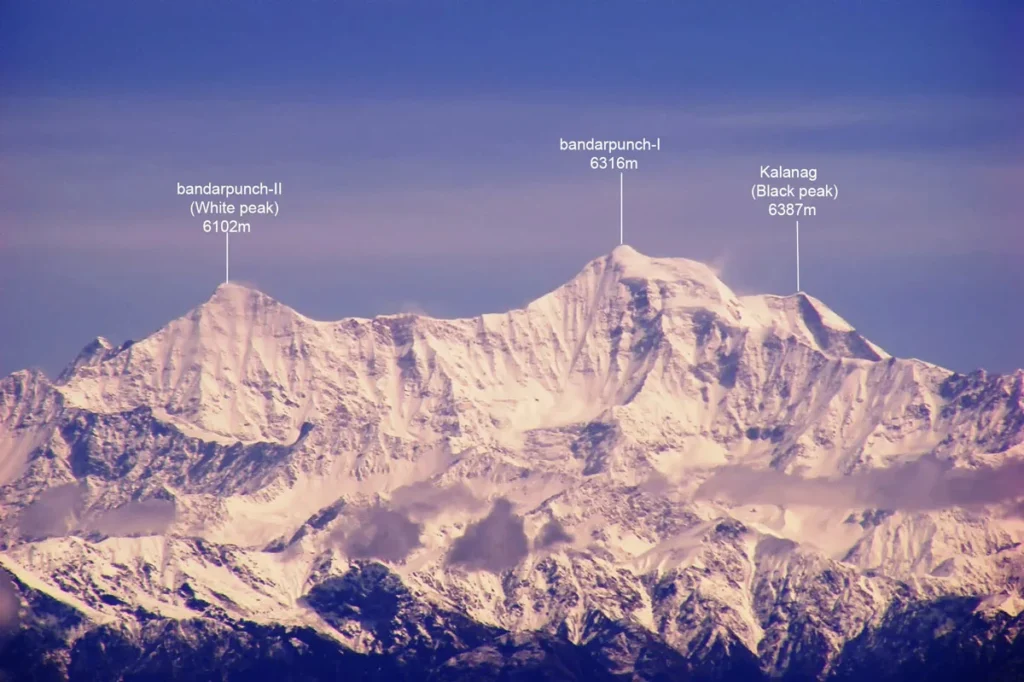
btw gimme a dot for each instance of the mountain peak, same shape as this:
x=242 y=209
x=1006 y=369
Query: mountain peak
x=674 y=282
x=631 y=429
x=235 y=289
x=625 y=251
x=696 y=281
x=631 y=264
x=233 y=298
x=95 y=351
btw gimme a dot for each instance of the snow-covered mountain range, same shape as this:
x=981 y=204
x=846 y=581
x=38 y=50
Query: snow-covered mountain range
x=640 y=475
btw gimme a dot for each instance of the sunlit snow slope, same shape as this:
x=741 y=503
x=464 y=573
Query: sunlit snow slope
x=746 y=472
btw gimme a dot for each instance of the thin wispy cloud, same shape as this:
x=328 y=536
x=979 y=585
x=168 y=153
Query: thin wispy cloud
x=142 y=517
x=495 y=543
x=53 y=512
x=552 y=534
x=61 y=510
x=924 y=484
x=392 y=530
x=380 y=533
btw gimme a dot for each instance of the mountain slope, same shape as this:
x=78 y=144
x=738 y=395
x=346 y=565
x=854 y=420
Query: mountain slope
x=639 y=455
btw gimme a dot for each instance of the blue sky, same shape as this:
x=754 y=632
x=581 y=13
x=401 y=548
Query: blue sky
x=651 y=48
x=417 y=142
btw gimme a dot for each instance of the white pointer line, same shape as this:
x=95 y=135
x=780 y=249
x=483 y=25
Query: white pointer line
x=227 y=258
x=620 y=210
x=798 y=256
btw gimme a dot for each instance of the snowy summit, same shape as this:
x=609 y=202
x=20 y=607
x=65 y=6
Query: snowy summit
x=639 y=456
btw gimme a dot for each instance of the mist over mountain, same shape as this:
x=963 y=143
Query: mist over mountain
x=640 y=475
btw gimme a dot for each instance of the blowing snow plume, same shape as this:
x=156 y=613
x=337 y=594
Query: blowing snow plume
x=919 y=485
x=494 y=543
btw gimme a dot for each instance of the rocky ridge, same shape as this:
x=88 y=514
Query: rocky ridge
x=639 y=474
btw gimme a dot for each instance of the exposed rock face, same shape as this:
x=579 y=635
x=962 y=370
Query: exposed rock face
x=640 y=475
